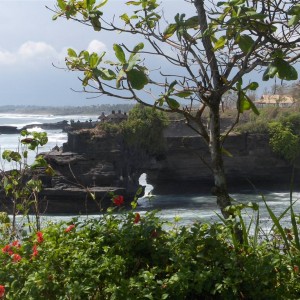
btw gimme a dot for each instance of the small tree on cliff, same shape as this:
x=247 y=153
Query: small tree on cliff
x=208 y=55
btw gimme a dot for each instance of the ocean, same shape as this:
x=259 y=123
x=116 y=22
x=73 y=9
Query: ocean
x=188 y=208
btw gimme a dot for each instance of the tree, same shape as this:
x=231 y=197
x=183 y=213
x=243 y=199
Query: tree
x=209 y=54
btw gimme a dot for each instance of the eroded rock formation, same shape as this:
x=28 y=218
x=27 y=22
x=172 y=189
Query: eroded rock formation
x=98 y=164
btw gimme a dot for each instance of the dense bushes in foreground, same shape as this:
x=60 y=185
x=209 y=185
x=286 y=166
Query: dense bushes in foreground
x=132 y=256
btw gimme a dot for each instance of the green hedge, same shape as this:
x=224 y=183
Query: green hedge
x=128 y=256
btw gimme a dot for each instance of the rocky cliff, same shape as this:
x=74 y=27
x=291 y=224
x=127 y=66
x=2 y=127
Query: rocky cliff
x=92 y=166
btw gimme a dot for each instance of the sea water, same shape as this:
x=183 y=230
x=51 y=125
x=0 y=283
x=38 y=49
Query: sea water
x=55 y=137
x=188 y=207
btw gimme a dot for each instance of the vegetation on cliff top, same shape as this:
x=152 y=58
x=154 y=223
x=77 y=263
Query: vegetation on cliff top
x=283 y=127
x=142 y=130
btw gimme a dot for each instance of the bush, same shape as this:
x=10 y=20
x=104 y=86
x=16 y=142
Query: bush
x=283 y=141
x=143 y=130
x=128 y=256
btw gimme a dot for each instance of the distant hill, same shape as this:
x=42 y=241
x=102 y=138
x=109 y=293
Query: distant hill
x=65 y=110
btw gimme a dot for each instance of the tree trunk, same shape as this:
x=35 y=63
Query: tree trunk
x=220 y=189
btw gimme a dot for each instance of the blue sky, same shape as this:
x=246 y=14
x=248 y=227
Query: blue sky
x=30 y=42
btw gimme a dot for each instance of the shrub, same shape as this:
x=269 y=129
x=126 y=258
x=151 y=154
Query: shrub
x=120 y=256
x=283 y=141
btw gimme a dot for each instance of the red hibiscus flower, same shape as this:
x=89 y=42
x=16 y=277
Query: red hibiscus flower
x=2 y=291
x=118 y=200
x=40 y=237
x=35 y=251
x=16 y=257
x=69 y=228
x=137 y=218
x=7 y=249
x=154 y=234
x=16 y=244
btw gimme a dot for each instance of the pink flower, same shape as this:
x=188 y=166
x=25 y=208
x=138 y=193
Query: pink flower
x=16 y=244
x=40 y=237
x=118 y=200
x=7 y=249
x=137 y=218
x=2 y=291
x=16 y=257
x=69 y=228
x=35 y=251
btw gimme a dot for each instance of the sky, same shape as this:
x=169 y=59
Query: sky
x=33 y=49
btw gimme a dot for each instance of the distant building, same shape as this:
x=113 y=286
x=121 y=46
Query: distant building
x=114 y=117
x=275 y=101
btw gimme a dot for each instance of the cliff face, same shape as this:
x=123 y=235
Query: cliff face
x=104 y=164
x=251 y=161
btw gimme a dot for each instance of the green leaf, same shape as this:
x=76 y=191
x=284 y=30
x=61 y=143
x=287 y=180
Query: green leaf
x=173 y=104
x=192 y=22
x=11 y=155
x=270 y=72
x=133 y=59
x=120 y=76
x=61 y=4
x=133 y=3
x=125 y=18
x=119 y=53
x=294 y=20
x=226 y=152
x=137 y=79
x=105 y=74
x=85 y=54
x=295 y=10
x=282 y=69
x=183 y=94
x=95 y=23
x=246 y=104
x=101 y=4
x=277 y=224
x=239 y=84
x=171 y=86
x=252 y=86
x=220 y=43
x=285 y=70
x=72 y=52
x=138 y=47
x=246 y=43
x=169 y=31
x=94 y=60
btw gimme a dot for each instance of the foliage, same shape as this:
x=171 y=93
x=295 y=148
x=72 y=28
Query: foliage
x=260 y=124
x=142 y=130
x=20 y=184
x=283 y=141
x=132 y=256
x=110 y=128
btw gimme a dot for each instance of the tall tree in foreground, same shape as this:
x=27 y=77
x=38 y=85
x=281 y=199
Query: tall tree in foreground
x=207 y=54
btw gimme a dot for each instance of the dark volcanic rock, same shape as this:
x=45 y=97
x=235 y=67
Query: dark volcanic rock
x=104 y=164
x=9 y=130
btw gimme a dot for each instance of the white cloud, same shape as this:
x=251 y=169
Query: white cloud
x=41 y=53
x=36 y=49
x=29 y=52
x=7 y=58
x=96 y=46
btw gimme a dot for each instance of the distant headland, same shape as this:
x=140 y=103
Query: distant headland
x=65 y=110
